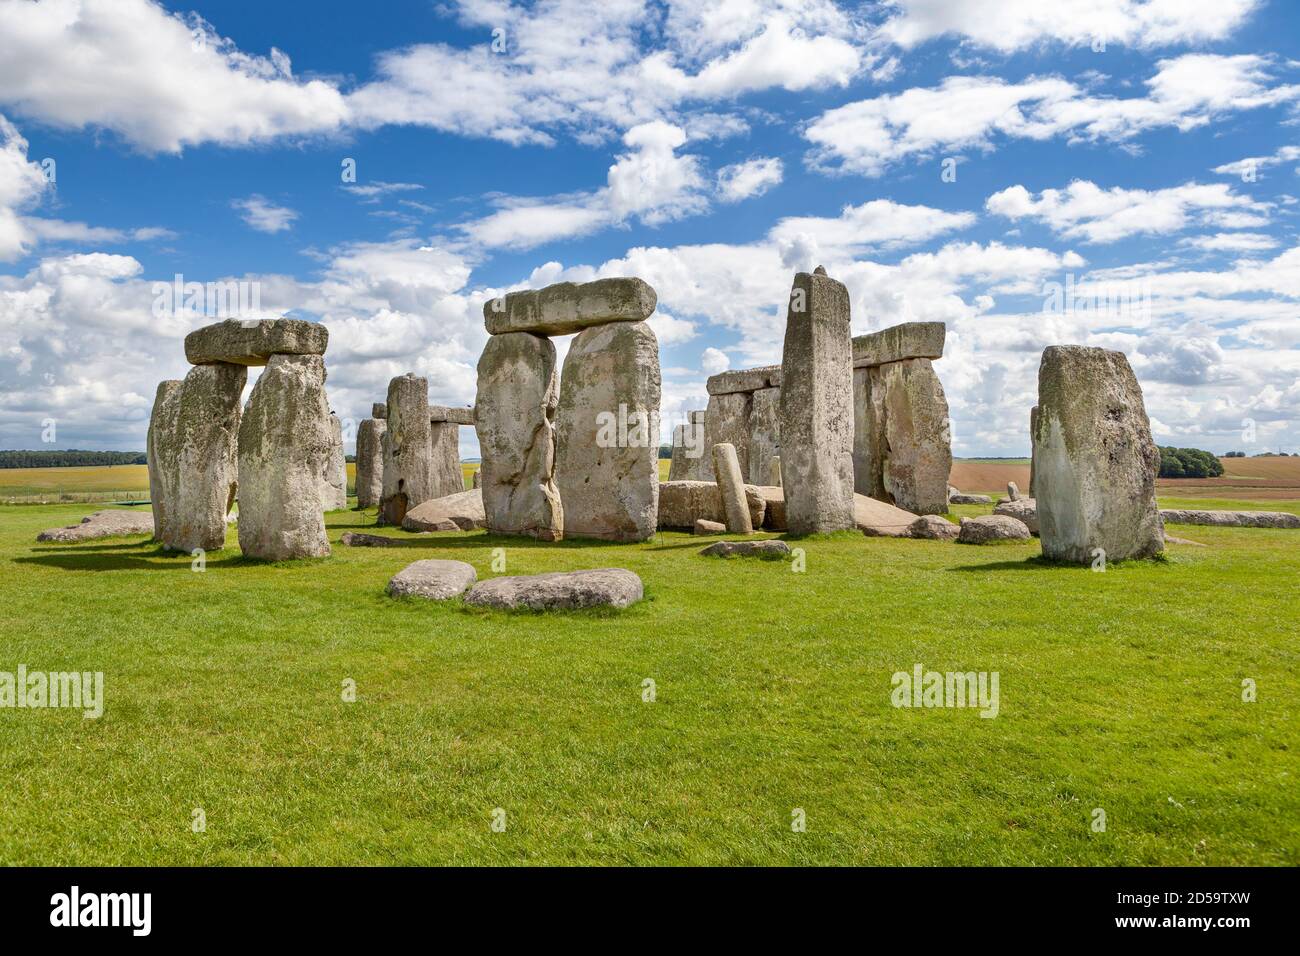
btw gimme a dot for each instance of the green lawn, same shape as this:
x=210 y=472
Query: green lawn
x=1119 y=690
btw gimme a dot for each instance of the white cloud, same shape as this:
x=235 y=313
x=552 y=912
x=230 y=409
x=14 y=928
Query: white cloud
x=263 y=215
x=21 y=185
x=713 y=361
x=878 y=224
x=372 y=192
x=1234 y=242
x=1246 y=168
x=59 y=230
x=160 y=81
x=1008 y=25
x=964 y=112
x=1087 y=212
x=751 y=178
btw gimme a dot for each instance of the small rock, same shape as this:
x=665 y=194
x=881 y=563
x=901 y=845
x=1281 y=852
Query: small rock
x=433 y=579
x=958 y=498
x=357 y=539
x=987 y=528
x=462 y=511
x=559 y=591
x=1022 y=509
x=748 y=549
x=102 y=524
x=704 y=526
x=933 y=527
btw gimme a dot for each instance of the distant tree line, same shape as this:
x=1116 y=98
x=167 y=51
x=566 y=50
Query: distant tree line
x=1188 y=463
x=70 y=458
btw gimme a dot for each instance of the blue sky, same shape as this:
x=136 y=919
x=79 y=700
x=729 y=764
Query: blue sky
x=1143 y=153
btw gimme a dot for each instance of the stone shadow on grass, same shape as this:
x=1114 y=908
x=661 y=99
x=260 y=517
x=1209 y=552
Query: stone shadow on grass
x=1032 y=563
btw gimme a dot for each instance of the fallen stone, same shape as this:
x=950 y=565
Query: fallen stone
x=764 y=435
x=1231 y=519
x=462 y=511
x=284 y=445
x=1095 y=461
x=358 y=539
x=732 y=488
x=450 y=413
x=409 y=476
x=933 y=527
x=370 y=462
x=607 y=433
x=101 y=524
x=1022 y=509
x=703 y=526
x=961 y=499
x=682 y=503
x=899 y=342
x=748 y=549
x=432 y=579
x=880 y=519
x=254 y=341
x=567 y=307
x=774 y=507
x=989 y=528
x=743 y=380
x=559 y=591
x=518 y=390
x=817 y=407
x=334 y=490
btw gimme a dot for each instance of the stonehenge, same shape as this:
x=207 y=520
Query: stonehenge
x=370 y=461
x=409 y=475
x=164 y=470
x=817 y=407
x=334 y=492
x=1095 y=462
x=726 y=466
x=689 y=451
x=902 y=444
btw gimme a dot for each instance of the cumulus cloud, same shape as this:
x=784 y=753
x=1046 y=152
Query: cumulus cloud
x=263 y=215
x=22 y=183
x=713 y=361
x=751 y=178
x=878 y=224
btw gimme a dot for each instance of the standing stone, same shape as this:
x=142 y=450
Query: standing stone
x=817 y=407
x=774 y=472
x=518 y=389
x=764 y=433
x=477 y=478
x=445 y=475
x=284 y=446
x=206 y=439
x=695 y=458
x=677 y=467
x=408 y=459
x=902 y=438
x=334 y=487
x=1013 y=491
x=868 y=435
x=1033 y=428
x=370 y=462
x=160 y=448
x=726 y=422
x=1095 y=481
x=731 y=485
x=607 y=452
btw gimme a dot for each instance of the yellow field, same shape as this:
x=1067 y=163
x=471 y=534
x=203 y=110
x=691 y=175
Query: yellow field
x=94 y=478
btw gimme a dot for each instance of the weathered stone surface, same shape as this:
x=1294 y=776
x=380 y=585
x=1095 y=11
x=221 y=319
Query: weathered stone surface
x=445 y=474
x=204 y=443
x=897 y=343
x=359 y=539
x=703 y=526
x=1022 y=509
x=933 y=527
x=743 y=380
x=1096 y=464
x=1013 y=491
x=462 y=511
x=334 y=484
x=682 y=503
x=957 y=498
x=817 y=407
x=518 y=390
x=774 y=471
x=607 y=425
x=451 y=413
x=902 y=447
x=726 y=421
x=732 y=488
x=284 y=444
x=254 y=341
x=684 y=445
x=764 y=434
x=370 y=462
x=1231 y=519
x=432 y=579
x=162 y=454
x=559 y=591
x=379 y=410
x=102 y=524
x=1033 y=428
x=697 y=417
x=409 y=475
x=879 y=519
x=989 y=528
x=774 y=507
x=567 y=307
x=476 y=479
x=774 y=550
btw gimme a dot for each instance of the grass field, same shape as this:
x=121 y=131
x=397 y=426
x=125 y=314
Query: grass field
x=1120 y=690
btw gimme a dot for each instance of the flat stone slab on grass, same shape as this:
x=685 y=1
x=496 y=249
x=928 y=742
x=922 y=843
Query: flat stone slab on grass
x=357 y=539
x=253 y=342
x=704 y=526
x=101 y=524
x=961 y=499
x=880 y=519
x=568 y=307
x=774 y=550
x=989 y=528
x=934 y=528
x=559 y=590
x=462 y=511
x=433 y=579
x=1022 y=509
x=1231 y=519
